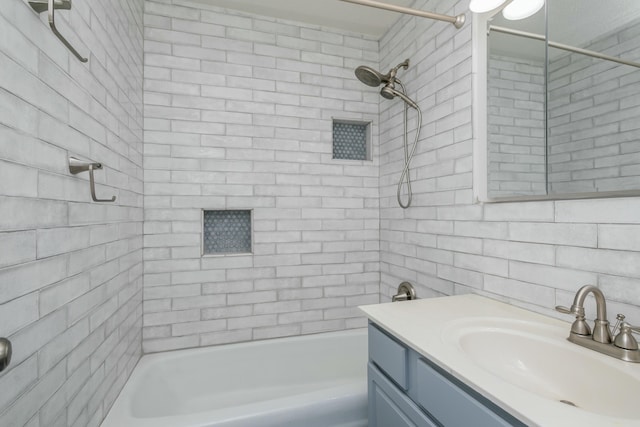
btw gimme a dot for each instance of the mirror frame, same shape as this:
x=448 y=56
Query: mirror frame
x=479 y=72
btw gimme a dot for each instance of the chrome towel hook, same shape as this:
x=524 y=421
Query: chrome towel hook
x=51 y=5
x=76 y=166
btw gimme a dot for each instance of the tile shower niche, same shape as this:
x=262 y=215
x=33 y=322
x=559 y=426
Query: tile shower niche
x=351 y=140
x=226 y=232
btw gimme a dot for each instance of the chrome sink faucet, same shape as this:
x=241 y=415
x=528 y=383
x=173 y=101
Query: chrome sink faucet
x=623 y=347
x=601 y=331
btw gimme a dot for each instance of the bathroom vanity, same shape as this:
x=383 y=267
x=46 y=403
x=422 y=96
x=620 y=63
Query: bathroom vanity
x=406 y=389
x=472 y=361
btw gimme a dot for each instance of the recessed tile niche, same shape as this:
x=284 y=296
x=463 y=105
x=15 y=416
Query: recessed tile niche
x=351 y=140
x=226 y=232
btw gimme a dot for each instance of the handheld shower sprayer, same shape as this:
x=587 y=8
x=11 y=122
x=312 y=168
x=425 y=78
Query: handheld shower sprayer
x=389 y=92
x=373 y=78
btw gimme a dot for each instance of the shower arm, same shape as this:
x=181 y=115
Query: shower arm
x=457 y=21
x=392 y=72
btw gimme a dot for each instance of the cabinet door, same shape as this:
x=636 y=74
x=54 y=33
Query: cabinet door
x=390 y=407
x=452 y=405
x=386 y=412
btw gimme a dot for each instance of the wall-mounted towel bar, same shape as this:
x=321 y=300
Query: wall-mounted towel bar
x=76 y=166
x=51 y=5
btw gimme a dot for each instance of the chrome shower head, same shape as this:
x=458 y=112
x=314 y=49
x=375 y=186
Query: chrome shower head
x=373 y=78
x=389 y=92
x=369 y=76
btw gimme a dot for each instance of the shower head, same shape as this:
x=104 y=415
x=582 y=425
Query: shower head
x=373 y=78
x=389 y=92
x=369 y=76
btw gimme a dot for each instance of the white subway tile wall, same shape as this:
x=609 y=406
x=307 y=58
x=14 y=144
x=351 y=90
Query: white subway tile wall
x=533 y=254
x=70 y=269
x=238 y=115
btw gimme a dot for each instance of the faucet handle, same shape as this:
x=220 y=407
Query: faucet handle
x=635 y=329
x=564 y=310
x=580 y=326
x=576 y=310
x=625 y=338
x=619 y=318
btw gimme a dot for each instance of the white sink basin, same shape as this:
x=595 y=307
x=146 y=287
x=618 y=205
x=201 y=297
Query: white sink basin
x=537 y=358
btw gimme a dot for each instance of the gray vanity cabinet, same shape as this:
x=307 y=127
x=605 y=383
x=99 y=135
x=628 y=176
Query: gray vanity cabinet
x=389 y=407
x=406 y=390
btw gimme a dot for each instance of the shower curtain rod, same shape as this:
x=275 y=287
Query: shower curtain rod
x=562 y=46
x=457 y=21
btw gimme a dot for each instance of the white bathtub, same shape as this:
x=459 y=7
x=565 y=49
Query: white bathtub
x=310 y=381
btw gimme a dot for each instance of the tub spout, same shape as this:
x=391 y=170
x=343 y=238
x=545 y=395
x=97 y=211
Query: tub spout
x=405 y=292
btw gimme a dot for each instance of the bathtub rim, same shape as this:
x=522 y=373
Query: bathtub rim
x=120 y=410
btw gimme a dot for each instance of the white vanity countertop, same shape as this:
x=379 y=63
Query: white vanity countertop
x=426 y=324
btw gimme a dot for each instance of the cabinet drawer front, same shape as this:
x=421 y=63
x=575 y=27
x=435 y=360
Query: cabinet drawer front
x=389 y=355
x=451 y=405
x=389 y=407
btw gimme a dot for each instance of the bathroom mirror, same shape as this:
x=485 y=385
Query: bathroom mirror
x=562 y=111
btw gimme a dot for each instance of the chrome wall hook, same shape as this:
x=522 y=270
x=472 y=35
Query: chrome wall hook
x=76 y=166
x=51 y=5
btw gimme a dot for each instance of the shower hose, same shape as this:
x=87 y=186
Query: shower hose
x=405 y=177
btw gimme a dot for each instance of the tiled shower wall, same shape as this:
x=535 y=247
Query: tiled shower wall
x=533 y=254
x=70 y=269
x=238 y=115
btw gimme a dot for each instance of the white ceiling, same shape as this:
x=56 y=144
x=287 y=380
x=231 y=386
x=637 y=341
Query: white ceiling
x=572 y=22
x=328 y=13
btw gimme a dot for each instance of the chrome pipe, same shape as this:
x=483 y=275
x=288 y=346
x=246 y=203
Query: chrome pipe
x=457 y=21
x=563 y=46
